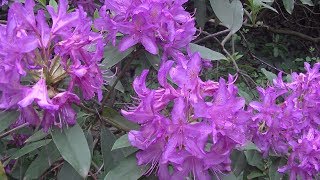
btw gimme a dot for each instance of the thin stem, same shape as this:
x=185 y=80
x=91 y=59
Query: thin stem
x=122 y=73
x=13 y=129
x=211 y=36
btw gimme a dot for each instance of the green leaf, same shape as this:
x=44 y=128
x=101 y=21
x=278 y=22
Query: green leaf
x=110 y=77
x=255 y=174
x=251 y=146
x=27 y=149
x=54 y=4
x=37 y=136
x=47 y=156
x=206 y=53
x=263 y=4
x=239 y=162
x=73 y=146
x=230 y=14
x=254 y=158
x=2 y=172
x=270 y=75
x=154 y=60
x=7 y=118
x=43 y=2
x=116 y=118
x=307 y=2
x=201 y=12
x=110 y=158
x=127 y=170
x=68 y=172
x=273 y=169
x=288 y=5
x=113 y=56
x=122 y=142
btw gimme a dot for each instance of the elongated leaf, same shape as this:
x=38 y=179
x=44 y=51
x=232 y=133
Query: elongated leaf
x=47 y=156
x=2 y=172
x=113 y=56
x=27 y=149
x=270 y=75
x=54 y=4
x=73 y=147
x=110 y=77
x=201 y=12
x=230 y=14
x=288 y=5
x=116 y=118
x=68 y=173
x=307 y=2
x=273 y=169
x=206 y=53
x=7 y=118
x=43 y=2
x=37 y=136
x=122 y=142
x=127 y=170
x=154 y=60
x=239 y=162
x=254 y=158
x=110 y=158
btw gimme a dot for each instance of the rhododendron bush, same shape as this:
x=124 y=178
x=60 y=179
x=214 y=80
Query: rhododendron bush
x=66 y=66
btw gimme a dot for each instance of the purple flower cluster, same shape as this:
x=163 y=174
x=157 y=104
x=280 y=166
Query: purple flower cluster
x=191 y=127
x=36 y=56
x=153 y=23
x=287 y=122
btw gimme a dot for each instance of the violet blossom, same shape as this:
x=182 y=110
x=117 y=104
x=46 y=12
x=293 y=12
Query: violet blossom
x=178 y=122
x=47 y=54
x=153 y=24
x=286 y=122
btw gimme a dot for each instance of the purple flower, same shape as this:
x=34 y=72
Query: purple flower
x=36 y=57
x=64 y=115
x=177 y=122
x=150 y=23
x=39 y=94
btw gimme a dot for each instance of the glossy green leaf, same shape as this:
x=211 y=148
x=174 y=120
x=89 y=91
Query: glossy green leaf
x=110 y=77
x=27 y=149
x=127 y=170
x=230 y=14
x=154 y=60
x=239 y=162
x=7 y=118
x=2 y=172
x=54 y=4
x=73 y=146
x=113 y=116
x=255 y=174
x=254 y=158
x=122 y=142
x=307 y=2
x=47 y=156
x=113 y=56
x=206 y=53
x=110 y=158
x=43 y=2
x=201 y=12
x=37 y=136
x=67 y=172
x=288 y=5
x=251 y=146
x=270 y=75
x=273 y=169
